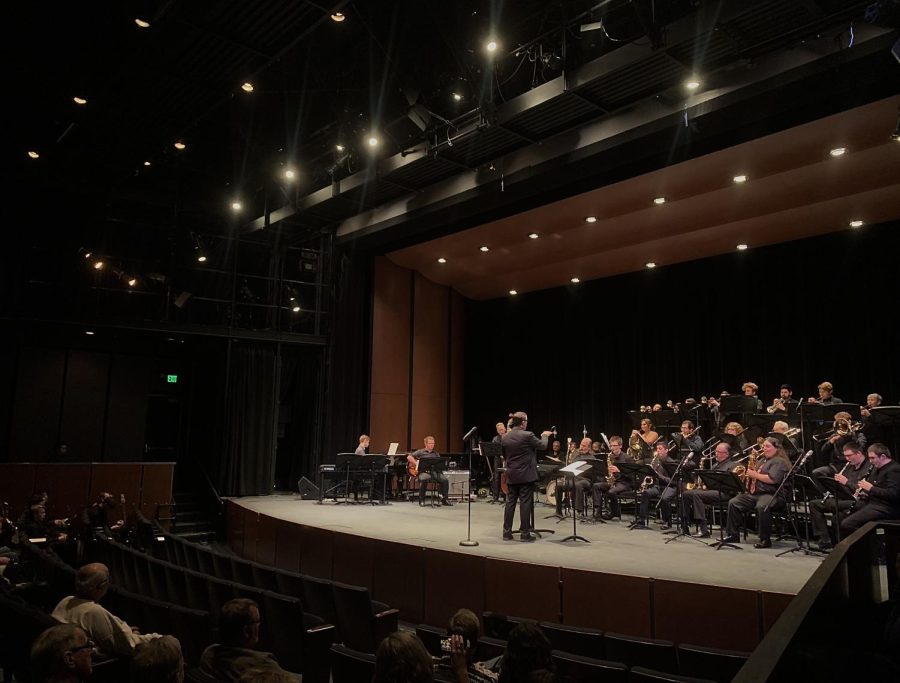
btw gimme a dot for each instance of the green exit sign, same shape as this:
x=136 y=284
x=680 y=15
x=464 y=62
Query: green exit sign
x=172 y=379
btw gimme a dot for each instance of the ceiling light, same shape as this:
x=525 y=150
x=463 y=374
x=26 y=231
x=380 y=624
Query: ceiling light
x=457 y=97
x=201 y=259
x=574 y=280
x=236 y=206
x=247 y=86
x=491 y=46
x=692 y=84
x=179 y=145
x=98 y=265
x=339 y=148
x=650 y=264
x=33 y=154
x=742 y=247
x=295 y=309
x=89 y=333
x=372 y=141
x=659 y=200
x=143 y=23
x=338 y=17
x=442 y=260
x=87 y=254
x=485 y=249
x=132 y=281
x=290 y=174
x=148 y=163
x=740 y=178
x=856 y=224
x=79 y=100
x=534 y=235
x=838 y=151
x=513 y=292
x=591 y=219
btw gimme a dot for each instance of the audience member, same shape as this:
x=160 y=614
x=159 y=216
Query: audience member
x=465 y=630
x=229 y=660
x=527 y=657
x=35 y=524
x=62 y=654
x=97 y=516
x=114 y=638
x=402 y=658
x=158 y=661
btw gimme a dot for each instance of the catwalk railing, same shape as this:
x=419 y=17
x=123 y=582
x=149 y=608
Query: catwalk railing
x=836 y=627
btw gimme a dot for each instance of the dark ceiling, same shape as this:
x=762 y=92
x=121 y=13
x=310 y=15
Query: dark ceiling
x=765 y=66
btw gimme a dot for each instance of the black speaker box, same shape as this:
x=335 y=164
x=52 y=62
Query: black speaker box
x=308 y=490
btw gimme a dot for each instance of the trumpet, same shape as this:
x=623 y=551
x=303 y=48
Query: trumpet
x=777 y=404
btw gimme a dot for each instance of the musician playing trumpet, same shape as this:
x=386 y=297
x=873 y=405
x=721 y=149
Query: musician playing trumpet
x=874 y=432
x=855 y=469
x=826 y=395
x=762 y=482
x=784 y=404
x=694 y=501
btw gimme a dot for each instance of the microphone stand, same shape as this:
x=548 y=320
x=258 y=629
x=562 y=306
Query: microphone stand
x=800 y=547
x=469 y=542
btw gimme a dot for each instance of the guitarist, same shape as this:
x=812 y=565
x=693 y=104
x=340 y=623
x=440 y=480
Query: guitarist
x=412 y=461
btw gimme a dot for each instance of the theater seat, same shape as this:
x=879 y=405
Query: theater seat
x=362 y=622
x=499 y=625
x=488 y=648
x=639 y=674
x=578 y=669
x=658 y=655
x=350 y=666
x=587 y=642
x=318 y=599
x=710 y=662
x=431 y=638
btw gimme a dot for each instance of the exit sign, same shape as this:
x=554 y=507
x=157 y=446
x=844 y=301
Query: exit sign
x=172 y=379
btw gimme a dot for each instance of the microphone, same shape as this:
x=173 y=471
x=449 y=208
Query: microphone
x=804 y=458
x=470 y=433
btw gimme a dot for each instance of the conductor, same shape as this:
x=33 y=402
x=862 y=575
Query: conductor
x=520 y=450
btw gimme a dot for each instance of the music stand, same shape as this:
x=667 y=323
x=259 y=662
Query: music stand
x=665 y=419
x=791 y=513
x=579 y=467
x=345 y=462
x=491 y=452
x=432 y=465
x=838 y=492
x=784 y=442
x=675 y=472
x=745 y=406
x=637 y=471
x=728 y=485
x=374 y=465
x=635 y=417
x=887 y=418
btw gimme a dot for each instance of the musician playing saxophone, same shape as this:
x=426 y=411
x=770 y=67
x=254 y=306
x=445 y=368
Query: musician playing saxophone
x=660 y=488
x=764 y=480
x=855 y=468
x=621 y=484
x=581 y=484
x=879 y=494
x=694 y=501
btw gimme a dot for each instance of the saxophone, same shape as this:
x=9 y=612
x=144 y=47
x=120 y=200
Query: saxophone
x=610 y=477
x=648 y=481
x=741 y=472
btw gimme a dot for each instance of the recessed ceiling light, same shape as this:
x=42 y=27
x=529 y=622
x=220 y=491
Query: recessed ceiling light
x=740 y=178
x=290 y=174
x=491 y=46
x=513 y=292
x=143 y=23
x=838 y=151
x=87 y=254
x=856 y=224
x=590 y=219
x=33 y=154
x=659 y=200
x=442 y=260
x=89 y=333
x=295 y=309
x=742 y=247
x=132 y=281
x=339 y=148
x=457 y=97
x=692 y=84
x=247 y=86
x=338 y=17
x=79 y=100
x=98 y=265
x=574 y=280
x=372 y=141
x=201 y=259
x=534 y=235
x=650 y=264
x=148 y=163
x=179 y=145
x=236 y=206
x=485 y=248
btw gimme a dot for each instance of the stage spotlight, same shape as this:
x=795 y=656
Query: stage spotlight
x=339 y=147
x=856 y=224
x=338 y=17
x=236 y=206
x=442 y=260
x=98 y=265
x=179 y=145
x=485 y=249
x=290 y=174
x=692 y=84
x=148 y=163
x=79 y=100
x=513 y=292
x=372 y=141
x=201 y=259
x=742 y=247
x=132 y=281
x=34 y=155
x=838 y=151
x=659 y=200
x=456 y=97
x=142 y=23
x=740 y=178
x=534 y=235
x=247 y=86
x=491 y=45
x=574 y=280
x=590 y=219
x=650 y=264
x=295 y=308
x=89 y=333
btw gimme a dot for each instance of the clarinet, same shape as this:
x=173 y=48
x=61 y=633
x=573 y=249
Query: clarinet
x=828 y=493
x=858 y=493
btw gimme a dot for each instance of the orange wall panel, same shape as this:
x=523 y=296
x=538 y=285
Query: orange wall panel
x=430 y=362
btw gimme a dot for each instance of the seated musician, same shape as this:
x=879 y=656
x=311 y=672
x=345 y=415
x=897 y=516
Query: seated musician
x=762 y=482
x=781 y=427
x=689 y=440
x=363 y=445
x=736 y=430
x=36 y=525
x=879 y=493
x=647 y=433
x=659 y=489
x=873 y=432
x=826 y=395
x=694 y=501
x=831 y=453
x=596 y=449
x=784 y=404
x=855 y=468
x=621 y=484
x=555 y=452
x=496 y=490
x=581 y=484
x=751 y=389
x=424 y=477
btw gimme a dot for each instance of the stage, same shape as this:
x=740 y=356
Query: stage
x=613 y=548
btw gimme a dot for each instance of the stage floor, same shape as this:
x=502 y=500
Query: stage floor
x=613 y=548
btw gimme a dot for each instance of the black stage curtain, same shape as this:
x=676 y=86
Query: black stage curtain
x=248 y=454
x=348 y=377
x=299 y=429
x=802 y=312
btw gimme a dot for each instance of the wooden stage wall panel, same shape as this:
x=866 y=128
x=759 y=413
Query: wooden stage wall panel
x=673 y=601
x=156 y=487
x=451 y=581
x=68 y=487
x=609 y=602
x=16 y=485
x=505 y=582
x=771 y=607
x=251 y=522
x=266 y=539
x=457 y=365
x=430 y=363
x=398 y=578
x=288 y=541
x=119 y=479
x=234 y=531
x=318 y=551
x=354 y=560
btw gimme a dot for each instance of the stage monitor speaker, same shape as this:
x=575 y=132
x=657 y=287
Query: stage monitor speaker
x=308 y=490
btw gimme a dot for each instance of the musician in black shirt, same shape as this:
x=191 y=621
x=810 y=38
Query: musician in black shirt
x=621 y=484
x=879 y=493
x=695 y=500
x=855 y=468
x=826 y=395
x=424 y=477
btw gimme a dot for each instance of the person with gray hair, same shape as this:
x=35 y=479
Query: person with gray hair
x=62 y=654
x=230 y=659
x=114 y=638
x=158 y=661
